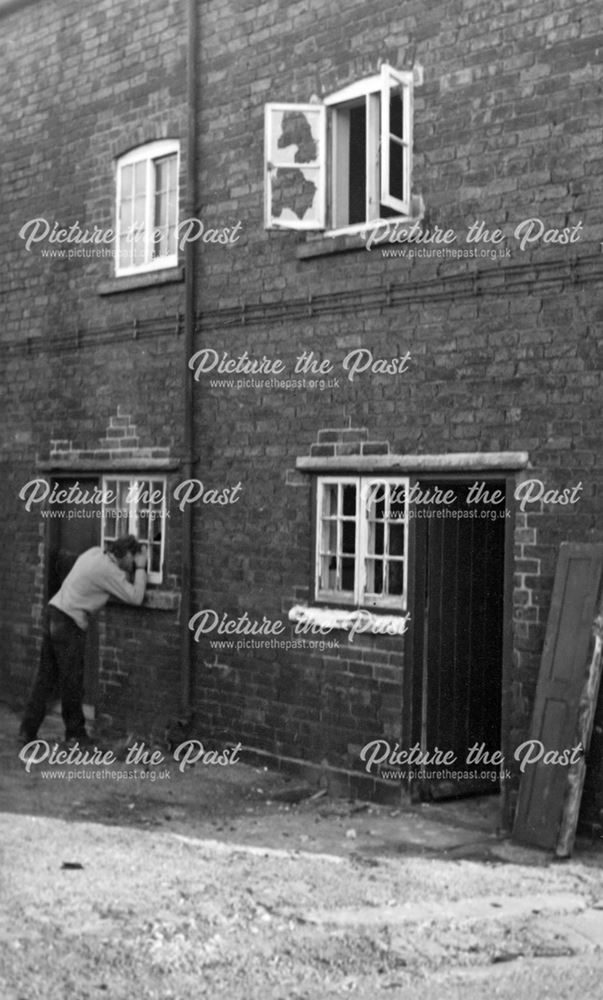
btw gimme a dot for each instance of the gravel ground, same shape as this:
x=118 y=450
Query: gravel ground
x=93 y=910
x=209 y=886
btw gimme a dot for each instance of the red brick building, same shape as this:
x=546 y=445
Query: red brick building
x=388 y=281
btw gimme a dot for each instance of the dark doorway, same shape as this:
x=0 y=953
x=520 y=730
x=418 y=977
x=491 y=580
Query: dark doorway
x=458 y=633
x=73 y=528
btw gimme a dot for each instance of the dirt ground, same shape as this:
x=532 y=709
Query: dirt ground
x=233 y=883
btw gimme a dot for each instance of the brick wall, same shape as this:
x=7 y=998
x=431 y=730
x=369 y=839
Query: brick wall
x=140 y=645
x=506 y=126
x=504 y=354
x=265 y=558
x=83 y=83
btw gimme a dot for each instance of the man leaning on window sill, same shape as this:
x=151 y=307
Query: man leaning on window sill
x=95 y=577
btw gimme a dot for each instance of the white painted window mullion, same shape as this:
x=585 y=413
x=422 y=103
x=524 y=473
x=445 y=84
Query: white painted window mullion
x=362 y=539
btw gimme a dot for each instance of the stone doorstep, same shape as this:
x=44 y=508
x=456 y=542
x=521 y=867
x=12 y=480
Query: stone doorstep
x=434 y=838
x=465 y=910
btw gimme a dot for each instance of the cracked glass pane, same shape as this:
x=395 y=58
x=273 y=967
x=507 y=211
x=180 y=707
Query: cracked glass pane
x=295 y=138
x=294 y=164
x=294 y=194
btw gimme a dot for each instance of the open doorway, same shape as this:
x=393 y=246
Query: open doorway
x=457 y=656
x=72 y=529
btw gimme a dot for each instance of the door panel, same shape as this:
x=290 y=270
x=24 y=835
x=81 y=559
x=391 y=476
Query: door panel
x=458 y=613
x=565 y=694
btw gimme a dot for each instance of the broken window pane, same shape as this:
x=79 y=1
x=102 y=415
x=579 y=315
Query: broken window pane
x=395 y=577
x=348 y=536
x=295 y=167
x=349 y=500
x=329 y=536
x=374 y=576
x=328 y=572
x=348 y=568
x=396 y=539
x=329 y=499
x=294 y=194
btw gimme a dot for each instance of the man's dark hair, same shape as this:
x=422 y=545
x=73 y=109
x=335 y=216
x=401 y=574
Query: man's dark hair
x=121 y=546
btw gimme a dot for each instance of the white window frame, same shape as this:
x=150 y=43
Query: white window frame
x=126 y=523
x=149 y=153
x=391 y=78
x=360 y=596
x=375 y=90
x=272 y=163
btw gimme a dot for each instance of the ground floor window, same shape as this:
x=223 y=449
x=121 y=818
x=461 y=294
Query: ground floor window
x=136 y=506
x=362 y=541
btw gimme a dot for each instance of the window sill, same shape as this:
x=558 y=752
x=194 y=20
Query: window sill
x=161 y=600
x=359 y=621
x=322 y=246
x=342 y=241
x=154 y=600
x=131 y=282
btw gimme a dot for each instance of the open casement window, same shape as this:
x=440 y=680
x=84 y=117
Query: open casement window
x=147 y=208
x=396 y=139
x=367 y=156
x=136 y=506
x=295 y=147
x=362 y=541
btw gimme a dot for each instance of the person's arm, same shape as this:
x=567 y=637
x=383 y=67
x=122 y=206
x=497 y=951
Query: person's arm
x=118 y=585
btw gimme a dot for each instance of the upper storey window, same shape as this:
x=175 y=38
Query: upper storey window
x=344 y=164
x=147 y=208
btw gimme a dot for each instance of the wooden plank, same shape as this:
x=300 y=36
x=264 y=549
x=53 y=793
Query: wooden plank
x=586 y=718
x=562 y=680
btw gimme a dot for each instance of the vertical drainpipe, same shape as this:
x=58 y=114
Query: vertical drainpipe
x=189 y=339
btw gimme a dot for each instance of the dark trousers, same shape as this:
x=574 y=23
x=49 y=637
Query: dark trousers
x=61 y=668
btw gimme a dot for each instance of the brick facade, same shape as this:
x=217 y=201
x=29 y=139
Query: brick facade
x=81 y=367
x=503 y=351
